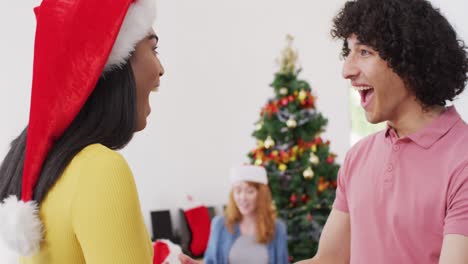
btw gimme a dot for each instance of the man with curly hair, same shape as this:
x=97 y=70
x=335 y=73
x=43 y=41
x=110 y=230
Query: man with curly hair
x=402 y=193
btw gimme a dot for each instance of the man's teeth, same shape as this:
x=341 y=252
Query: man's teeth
x=362 y=88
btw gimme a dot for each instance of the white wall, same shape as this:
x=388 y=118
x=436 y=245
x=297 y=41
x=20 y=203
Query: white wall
x=219 y=58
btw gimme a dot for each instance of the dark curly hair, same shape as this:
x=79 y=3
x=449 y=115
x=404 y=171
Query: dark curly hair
x=415 y=39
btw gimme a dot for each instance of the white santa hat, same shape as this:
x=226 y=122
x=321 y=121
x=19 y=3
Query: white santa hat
x=249 y=173
x=76 y=42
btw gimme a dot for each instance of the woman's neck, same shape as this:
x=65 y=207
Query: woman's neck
x=247 y=225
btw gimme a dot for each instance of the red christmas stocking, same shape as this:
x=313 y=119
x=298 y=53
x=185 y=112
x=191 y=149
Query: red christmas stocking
x=198 y=220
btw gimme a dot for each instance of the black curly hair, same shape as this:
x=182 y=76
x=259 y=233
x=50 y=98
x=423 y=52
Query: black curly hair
x=415 y=39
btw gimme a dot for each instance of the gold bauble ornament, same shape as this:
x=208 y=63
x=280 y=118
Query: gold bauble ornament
x=260 y=144
x=295 y=149
x=302 y=95
x=258 y=162
x=314 y=159
x=269 y=142
x=258 y=126
x=308 y=173
x=282 y=167
x=313 y=148
x=291 y=123
x=283 y=91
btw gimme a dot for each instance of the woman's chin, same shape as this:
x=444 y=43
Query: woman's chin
x=245 y=212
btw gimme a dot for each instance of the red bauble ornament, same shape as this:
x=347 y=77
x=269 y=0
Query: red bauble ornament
x=318 y=141
x=334 y=184
x=284 y=101
x=293 y=198
x=291 y=98
x=330 y=159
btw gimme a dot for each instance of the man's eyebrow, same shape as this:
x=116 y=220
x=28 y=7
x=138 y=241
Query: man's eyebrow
x=153 y=36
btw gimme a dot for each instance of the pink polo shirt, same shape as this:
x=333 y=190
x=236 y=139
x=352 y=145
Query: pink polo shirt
x=404 y=194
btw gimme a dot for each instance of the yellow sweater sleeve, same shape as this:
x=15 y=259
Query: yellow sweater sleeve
x=106 y=213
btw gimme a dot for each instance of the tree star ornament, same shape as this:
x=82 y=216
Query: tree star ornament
x=288 y=60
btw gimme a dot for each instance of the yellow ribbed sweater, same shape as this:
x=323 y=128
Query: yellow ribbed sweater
x=92 y=214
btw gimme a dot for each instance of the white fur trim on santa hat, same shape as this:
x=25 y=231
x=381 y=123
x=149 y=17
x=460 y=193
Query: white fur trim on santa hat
x=20 y=226
x=174 y=252
x=136 y=25
x=249 y=173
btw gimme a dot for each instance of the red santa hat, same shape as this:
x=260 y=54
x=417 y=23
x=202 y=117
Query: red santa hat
x=166 y=252
x=76 y=42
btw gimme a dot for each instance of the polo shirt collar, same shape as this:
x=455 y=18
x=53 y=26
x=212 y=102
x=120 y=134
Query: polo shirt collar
x=429 y=135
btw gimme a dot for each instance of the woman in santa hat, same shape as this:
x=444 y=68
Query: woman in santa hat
x=249 y=232
x=66 y=195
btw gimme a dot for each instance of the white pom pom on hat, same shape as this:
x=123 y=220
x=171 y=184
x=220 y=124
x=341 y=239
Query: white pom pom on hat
x=249 y=173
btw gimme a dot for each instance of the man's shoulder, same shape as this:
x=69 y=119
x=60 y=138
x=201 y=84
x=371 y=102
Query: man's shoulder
x=366 y=142
x=459 y=134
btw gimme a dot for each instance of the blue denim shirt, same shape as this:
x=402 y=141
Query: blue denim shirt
x=221 y=241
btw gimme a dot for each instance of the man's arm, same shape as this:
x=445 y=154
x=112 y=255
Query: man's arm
x=454 y=249
x=334 y=245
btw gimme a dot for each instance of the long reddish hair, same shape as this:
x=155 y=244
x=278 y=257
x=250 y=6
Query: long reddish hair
x=265 y=213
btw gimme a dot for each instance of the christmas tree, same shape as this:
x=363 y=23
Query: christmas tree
x=301 y=169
